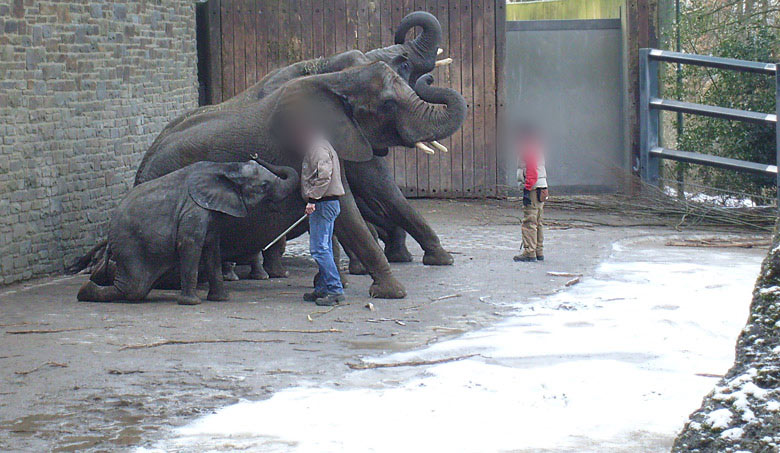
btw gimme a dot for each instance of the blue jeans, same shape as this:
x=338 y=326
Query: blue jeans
x=321 y=246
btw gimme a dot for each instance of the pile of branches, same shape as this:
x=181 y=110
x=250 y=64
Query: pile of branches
x=646 y=201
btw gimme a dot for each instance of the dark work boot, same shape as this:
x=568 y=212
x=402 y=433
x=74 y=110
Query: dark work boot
x=313 y=296
x=330 y=300
x=524 y=259
x=539 y=257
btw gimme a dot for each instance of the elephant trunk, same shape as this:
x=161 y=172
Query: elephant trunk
x=426 y=45
x=287 y=182
x=437 y=112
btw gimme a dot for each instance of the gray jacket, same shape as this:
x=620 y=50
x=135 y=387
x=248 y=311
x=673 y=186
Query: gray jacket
x=321 y=172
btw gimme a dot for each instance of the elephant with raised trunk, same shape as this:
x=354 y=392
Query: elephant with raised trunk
x=174 y=223
x=360 y=109
x=382 y=204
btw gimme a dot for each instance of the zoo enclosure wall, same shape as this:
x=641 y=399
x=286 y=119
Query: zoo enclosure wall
x=249 y=38
x=84 y=89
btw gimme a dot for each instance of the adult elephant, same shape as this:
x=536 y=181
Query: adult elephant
x=381 y=203
x=360 y=109
x=384 y=204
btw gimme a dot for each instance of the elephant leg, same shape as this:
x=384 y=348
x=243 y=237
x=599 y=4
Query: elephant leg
x=336 y=245
x=229 y=271
x=272 y=260
x=257 y=272
x=411 y=221
x=189 y=250
x=217 y=290
x=132 y=283
x=374 y=183
x=91 y=292
x=355 y=235
x=355 y=266
x=395 y=246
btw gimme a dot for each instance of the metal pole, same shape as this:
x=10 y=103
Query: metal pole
x=777 y=128
x=284 y=233
x=680 y=165
x=648 y=118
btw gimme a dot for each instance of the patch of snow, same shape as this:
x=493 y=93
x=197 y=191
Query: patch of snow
x=729 y=201
x=773 y=406
x=732 y=434
x=769 y=290
x=616 y=374
x=719 y=419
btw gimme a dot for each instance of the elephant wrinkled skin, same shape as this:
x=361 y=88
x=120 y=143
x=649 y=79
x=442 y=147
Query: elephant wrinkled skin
x=359 y=109
x=175 y=222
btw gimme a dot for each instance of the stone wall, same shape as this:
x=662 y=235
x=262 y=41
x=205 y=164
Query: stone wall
x=85 y=86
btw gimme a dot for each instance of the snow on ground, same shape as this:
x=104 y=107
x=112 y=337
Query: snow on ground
x=615 y=363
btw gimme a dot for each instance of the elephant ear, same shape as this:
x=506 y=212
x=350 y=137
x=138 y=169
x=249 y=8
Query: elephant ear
x=331 y=114
x=216 y=188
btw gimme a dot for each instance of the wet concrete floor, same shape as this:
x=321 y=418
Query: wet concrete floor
x=83 y=376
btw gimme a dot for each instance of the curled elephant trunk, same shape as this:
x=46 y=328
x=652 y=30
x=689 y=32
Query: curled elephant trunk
x=288 y=179
x=438 y=113
x=426 y=45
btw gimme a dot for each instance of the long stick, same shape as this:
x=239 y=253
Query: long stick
x=284 y=233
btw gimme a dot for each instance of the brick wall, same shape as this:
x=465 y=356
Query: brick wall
x=85 y=86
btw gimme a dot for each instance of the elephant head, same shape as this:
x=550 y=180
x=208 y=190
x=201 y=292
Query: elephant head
x=233 y=188
x=414 y=58
x=370 y=107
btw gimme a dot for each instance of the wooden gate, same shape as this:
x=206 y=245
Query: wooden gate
x=249 y=38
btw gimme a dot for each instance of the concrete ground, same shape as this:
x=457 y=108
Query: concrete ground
x=85 y=376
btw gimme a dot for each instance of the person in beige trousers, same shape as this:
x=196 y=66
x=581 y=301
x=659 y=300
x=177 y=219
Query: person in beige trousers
x=532 y=174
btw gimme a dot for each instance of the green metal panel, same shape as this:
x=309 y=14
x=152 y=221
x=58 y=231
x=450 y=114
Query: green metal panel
x=564 y=9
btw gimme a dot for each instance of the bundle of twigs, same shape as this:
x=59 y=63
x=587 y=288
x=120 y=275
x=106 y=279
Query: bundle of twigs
x=648 y=201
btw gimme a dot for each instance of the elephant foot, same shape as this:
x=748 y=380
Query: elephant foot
x=91 y=292
x=276 y=270
x=398 y=255
x=220 y=295
x=88 y=292
x=259 y=274
x=387 y=288
x=229 y=272
x=188 y=300
x=356 y=267
x=439 y=257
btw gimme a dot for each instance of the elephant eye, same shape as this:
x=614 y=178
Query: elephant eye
x=388 y=106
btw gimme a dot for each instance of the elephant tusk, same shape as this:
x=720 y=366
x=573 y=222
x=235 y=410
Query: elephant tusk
x=444 y=62
x=439 y=146
x=440 y=51
x=424 y=148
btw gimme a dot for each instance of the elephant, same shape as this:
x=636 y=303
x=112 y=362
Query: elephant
x=388 y=209
x=175 y=223
x=360 y=109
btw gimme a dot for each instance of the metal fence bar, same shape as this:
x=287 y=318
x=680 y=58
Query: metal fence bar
x=714 y=161
x=649 y=119
x=650 y=106
x=713 y=62
x=713 y=111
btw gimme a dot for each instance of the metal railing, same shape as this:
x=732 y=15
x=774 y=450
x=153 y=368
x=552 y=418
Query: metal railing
x=650 y=106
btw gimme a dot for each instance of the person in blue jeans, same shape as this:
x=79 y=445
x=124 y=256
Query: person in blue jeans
x=321 y=187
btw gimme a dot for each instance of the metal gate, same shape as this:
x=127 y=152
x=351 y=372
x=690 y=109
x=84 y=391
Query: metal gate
x=567 y=77
x=249 y=38
x=651 y=105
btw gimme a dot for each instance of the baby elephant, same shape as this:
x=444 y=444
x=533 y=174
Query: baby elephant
x=174 y=222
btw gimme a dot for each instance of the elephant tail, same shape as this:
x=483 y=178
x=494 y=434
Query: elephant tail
x=91 y=258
